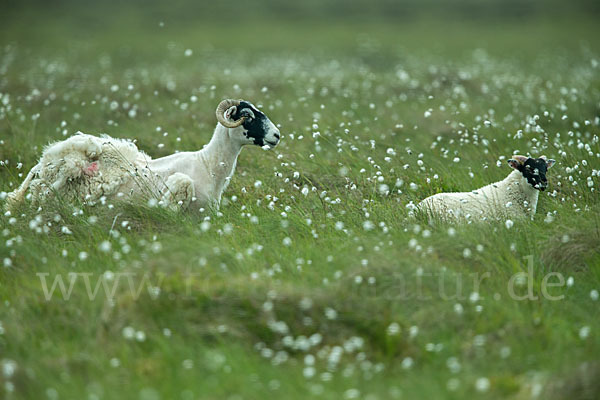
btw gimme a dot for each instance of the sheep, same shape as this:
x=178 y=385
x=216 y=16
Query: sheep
x=514 y=197
x=88 y=168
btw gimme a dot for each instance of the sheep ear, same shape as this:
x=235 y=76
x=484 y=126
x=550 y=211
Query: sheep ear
x=230 y=112
x=246 y=112
x=520 y=159
x=550 y=163
x=514 y=163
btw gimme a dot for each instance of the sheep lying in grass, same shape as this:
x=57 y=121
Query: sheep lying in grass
x=514 y=197
x=88 y=168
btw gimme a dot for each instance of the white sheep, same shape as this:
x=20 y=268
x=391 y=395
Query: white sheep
x=88 y=168
x=514 y=197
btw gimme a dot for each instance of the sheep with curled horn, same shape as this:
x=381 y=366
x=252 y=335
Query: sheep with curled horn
x=89 y=168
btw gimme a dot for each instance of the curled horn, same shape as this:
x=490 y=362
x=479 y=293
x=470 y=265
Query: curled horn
x=224 y=106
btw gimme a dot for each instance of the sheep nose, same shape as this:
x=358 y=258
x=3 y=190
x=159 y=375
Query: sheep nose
x=276 y=136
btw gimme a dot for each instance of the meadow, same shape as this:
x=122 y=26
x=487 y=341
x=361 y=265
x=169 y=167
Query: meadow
x=311 y=281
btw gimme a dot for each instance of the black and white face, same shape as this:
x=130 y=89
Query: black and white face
x=257 y=129
x=533 y=169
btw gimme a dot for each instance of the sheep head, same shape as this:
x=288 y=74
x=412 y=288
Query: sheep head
x=533 y=169
x=248 y=122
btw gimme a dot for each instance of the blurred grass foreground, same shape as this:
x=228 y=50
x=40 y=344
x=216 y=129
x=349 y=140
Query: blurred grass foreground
x=310 y=282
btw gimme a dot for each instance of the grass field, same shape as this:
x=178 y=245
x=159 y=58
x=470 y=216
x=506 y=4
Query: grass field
x=311 y=282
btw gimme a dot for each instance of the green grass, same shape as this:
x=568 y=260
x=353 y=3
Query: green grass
x=232 y=312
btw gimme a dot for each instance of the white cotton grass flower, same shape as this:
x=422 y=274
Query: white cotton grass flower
x=407 y=363
x=508 y=223
x=413 y=331
x=105 y=246
x=309 y=372
x=482 y=384
x=140 y=336
x=352 y=394
x=393 y=329
x=306 y=303
x=384 y=189
x=453 y=384
x=453 y=365
x=204 y=226
x=128 y=332
x=479 y=340
x=584 y=332
x=570 y=281
x=330 y=313
x=9 y=367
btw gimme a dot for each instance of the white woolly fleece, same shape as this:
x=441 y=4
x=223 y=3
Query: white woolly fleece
x=88 y=168
x=512 y=197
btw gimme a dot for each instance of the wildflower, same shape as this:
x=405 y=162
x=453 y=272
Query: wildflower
x=407 y=363
x=482 y=384
x=105 y=246
x=393 y=329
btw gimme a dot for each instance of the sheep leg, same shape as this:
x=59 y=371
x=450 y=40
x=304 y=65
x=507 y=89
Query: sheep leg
x=17 y=196
x=179 y=192
x=81 y=143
